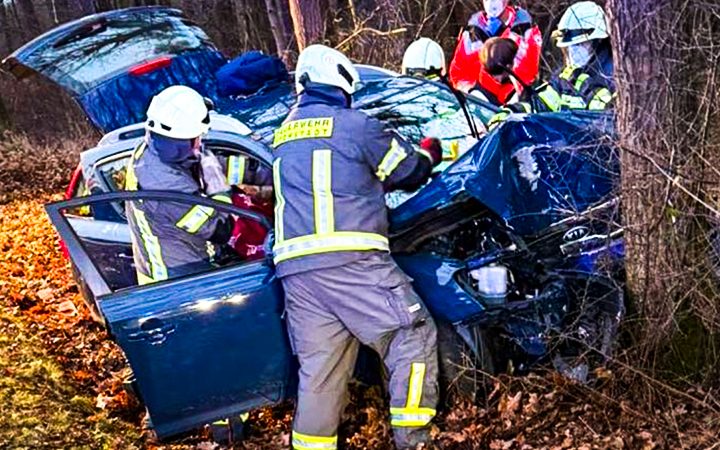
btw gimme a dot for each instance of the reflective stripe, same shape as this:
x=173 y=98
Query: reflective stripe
x=573 y=101
x=332 y=242
x=567 y=72
x=279 y=203
x=322 y=191
x=236 y=169
x=415 y=385
x=394 y=156
x=581 y=80
x=143 y=279
x=307 y=441
x=551 y=98
x=411 y=417
x=320 y=127
x=498 y=118
x=131 y=183
x=601 y=99
x=158 y=271
x=195 y=218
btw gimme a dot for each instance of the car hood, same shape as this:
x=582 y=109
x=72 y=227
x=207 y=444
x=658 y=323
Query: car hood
x=531 y=171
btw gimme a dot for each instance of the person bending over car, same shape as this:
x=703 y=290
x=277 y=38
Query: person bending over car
x=498 y=19
x=169 y=239
x=586 y=79
x=332 y=166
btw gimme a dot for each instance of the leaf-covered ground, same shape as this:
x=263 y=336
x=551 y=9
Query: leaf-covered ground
x=61 y=380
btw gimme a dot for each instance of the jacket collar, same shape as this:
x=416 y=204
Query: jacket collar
x=323 y=94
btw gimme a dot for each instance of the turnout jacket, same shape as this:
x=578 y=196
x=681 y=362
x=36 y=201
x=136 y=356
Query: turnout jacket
x=332 y=166
x=171 y=239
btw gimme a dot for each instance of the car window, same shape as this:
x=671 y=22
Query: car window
x=109 y=245
x=101 y=49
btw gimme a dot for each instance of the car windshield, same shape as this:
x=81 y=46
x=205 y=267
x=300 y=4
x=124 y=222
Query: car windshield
x=100 y=49
x=413 y=107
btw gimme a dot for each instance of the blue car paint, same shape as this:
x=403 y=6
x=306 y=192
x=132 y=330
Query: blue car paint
x=434 y=280
x=567 y=172
x=205 y=347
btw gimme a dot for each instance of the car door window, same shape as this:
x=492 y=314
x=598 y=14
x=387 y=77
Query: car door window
x=109 y=244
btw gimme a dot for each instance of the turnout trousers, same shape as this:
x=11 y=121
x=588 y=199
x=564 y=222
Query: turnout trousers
x=330 y=312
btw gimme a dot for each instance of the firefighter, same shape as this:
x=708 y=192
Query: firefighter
x=424 y=58
x=171 y=239
x=586 y=79
x=332 y=165
x=499 y=19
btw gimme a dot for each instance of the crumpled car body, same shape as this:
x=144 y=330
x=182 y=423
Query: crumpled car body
x=532 y=204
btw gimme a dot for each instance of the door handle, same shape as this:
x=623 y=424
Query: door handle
x=152 y=330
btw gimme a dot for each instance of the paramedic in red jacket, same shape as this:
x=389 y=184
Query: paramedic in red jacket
x=498 y=19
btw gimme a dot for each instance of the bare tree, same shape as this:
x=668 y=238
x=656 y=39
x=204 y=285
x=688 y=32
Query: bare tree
x=308 y=22
x=667 y=77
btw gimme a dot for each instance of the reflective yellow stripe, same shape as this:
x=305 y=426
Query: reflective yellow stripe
x=322 y=191
x=222 y=198
x=601 y=99
x=573 y=101
x=236 y=169
x=581 y=80
x=411 y=417
x=307 y=441
x=131 y=183
x=320 y=127
x=498 y=118
x=279 y=203
x=415 y=385
x=331 y=242
x=567 y=72
x=394 y=156
x=551 y=98
x=195 y=218
x=143 y=279
x=158 y=271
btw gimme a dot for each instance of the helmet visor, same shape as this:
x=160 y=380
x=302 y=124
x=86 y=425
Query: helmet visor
x=567 y=36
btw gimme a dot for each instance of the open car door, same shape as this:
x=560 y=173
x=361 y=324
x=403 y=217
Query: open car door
x=204 y=346
x=114 y=62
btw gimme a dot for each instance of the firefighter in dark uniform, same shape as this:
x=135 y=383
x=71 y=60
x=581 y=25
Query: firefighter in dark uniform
x=586 y=80
x=171 y=239
x=332 y=167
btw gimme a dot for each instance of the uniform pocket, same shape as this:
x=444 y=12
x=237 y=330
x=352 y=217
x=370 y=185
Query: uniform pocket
x=407 y=305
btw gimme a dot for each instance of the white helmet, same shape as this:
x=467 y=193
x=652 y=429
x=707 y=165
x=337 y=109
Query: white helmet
x=582 y=22
x=178 y=112
x=325 y=65
x=424 y=57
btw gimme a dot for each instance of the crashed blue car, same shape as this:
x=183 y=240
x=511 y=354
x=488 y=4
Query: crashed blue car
x=515 y=247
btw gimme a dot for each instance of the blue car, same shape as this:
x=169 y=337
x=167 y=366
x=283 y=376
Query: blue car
x=515 y=247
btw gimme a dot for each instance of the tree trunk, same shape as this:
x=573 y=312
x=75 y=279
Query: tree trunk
x=308 y=22
x=279 y=27
x=663 y=114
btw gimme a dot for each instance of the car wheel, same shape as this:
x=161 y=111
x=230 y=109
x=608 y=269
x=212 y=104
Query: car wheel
x=466 y=369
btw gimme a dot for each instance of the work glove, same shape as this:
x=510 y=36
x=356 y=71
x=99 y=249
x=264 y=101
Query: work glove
x=213 y=175
x=432 y=148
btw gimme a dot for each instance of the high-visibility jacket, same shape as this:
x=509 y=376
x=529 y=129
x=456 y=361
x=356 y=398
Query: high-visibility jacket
x=590 y=88
x=332 y=166
x=466 y=72
x=171 y=239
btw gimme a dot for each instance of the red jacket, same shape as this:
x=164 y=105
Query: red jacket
x=465 y=69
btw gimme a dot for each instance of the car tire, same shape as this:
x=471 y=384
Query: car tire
x=465 y=373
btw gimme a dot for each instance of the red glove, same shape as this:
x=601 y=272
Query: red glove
x=432 y=148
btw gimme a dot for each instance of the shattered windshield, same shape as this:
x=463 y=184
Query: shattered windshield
x=414 y=108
